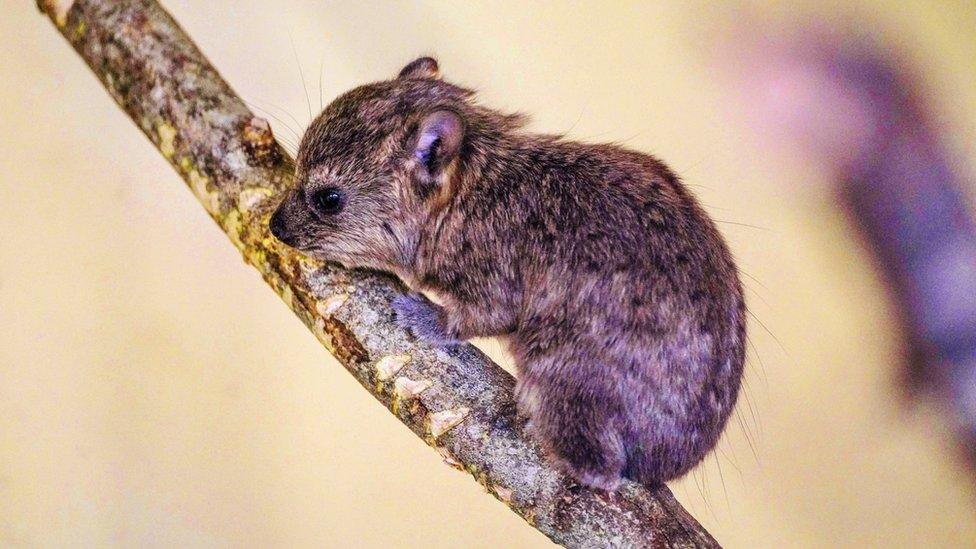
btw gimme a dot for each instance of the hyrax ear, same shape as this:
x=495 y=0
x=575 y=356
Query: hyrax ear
x=437 y=142
x=424 y=67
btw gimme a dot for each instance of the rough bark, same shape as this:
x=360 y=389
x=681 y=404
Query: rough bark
x=458 y=401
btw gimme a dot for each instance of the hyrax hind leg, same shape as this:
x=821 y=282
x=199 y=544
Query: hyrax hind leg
x=577 y=426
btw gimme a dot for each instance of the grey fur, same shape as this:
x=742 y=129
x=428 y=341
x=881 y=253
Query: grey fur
x=614 y=291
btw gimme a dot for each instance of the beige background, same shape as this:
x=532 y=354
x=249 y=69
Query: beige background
x=154 y=392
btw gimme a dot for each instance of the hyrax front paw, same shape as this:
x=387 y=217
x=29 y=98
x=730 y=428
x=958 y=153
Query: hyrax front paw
x=424 y=319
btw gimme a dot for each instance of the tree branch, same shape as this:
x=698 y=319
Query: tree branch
x=458 y=401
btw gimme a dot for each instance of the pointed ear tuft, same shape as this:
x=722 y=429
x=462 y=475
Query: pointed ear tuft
x=424 y=67
x=438 y=141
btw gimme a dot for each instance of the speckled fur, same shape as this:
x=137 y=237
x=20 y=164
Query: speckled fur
x=614 y=291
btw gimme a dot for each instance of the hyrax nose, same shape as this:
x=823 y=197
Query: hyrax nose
x=279 y=227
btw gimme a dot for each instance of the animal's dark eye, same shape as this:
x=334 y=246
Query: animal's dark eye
x=328 y=201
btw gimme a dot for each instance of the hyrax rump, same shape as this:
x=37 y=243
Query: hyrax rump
x=611 y=286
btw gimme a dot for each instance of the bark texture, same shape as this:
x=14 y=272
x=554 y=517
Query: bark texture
x=457 y=401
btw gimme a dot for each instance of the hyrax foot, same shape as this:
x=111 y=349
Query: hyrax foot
x=424 y=319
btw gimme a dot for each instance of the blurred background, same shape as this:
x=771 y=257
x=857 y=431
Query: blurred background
x=154 y=392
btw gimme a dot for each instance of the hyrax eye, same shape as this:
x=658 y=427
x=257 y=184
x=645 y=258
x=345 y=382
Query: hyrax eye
x=328 y=201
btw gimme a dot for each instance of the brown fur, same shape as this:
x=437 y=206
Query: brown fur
x=614 y=291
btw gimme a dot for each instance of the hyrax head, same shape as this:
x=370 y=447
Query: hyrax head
x=371 y=167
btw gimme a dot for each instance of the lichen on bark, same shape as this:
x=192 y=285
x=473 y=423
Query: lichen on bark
x=457 y=400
